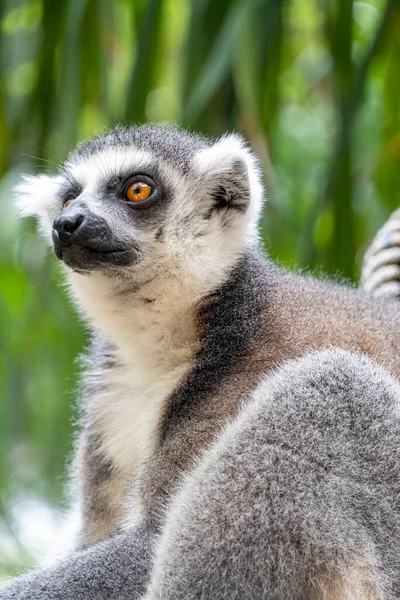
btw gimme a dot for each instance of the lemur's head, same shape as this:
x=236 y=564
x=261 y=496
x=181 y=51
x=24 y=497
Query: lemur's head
x=149 y=199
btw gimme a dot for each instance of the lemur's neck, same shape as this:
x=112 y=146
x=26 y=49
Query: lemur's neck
x=151 y=325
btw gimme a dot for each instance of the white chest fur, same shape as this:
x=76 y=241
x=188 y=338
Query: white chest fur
x=155 y=344
x=129 y=411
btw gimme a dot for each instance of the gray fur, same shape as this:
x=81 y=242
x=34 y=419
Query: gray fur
x=300 y=494
x=170 y=143
x=206 y=338
x=115 y=569
x=261 y=318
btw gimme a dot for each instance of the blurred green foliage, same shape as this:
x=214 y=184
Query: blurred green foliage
x=311 y=84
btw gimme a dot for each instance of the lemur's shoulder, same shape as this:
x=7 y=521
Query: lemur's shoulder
x=303 y=313
x=286 y=314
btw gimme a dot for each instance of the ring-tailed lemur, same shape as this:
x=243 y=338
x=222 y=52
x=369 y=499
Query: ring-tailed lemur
x=157 y=230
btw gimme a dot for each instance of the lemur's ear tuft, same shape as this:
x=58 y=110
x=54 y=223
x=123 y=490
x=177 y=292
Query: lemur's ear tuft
x=36 y=195
x=231 y=175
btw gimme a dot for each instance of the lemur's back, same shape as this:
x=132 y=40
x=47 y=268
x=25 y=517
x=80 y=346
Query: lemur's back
x=306 y=314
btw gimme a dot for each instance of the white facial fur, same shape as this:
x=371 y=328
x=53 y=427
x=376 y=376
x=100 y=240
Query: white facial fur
x=196 y=251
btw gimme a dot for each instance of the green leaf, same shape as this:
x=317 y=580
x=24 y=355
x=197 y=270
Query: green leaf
x=145 y=61
x=218 y=64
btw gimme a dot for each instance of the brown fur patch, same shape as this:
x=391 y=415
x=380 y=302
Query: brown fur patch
x=103 y=490
x=358 y=582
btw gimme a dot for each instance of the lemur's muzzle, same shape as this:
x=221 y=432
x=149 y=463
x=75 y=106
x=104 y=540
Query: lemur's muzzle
x=84 y=241
x=82 y=229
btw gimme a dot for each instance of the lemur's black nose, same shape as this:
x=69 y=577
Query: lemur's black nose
x=77 y=229
x=67 y=224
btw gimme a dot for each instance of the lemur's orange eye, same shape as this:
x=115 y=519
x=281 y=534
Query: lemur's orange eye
x=67 y=203
x=138 y=191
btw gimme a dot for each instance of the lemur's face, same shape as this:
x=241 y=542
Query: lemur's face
x=146 y=197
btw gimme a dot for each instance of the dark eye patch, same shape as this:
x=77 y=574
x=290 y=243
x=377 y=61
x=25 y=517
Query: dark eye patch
x=69 y=190
x=117 y=186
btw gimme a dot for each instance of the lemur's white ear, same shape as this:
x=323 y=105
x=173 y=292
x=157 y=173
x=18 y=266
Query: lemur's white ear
x=234 y=169
x=36 y=195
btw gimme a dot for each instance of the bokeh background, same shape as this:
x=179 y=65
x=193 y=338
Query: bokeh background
x=313 y=85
